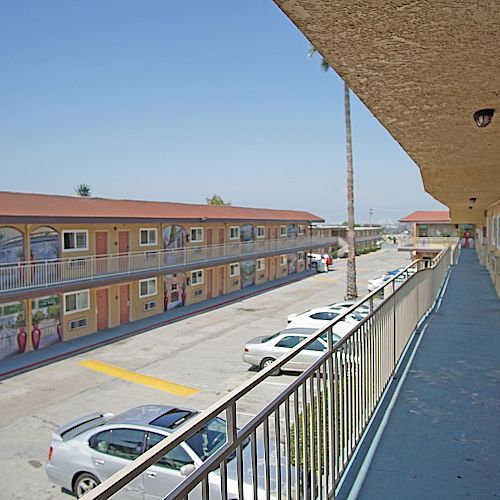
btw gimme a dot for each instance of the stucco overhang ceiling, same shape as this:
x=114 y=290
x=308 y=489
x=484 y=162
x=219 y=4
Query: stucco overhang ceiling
x=422 y=67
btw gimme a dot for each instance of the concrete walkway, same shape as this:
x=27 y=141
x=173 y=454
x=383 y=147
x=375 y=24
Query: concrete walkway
x=443 y=436
x=20 y=363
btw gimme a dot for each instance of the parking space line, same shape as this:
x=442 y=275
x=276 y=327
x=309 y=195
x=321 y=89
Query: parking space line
x=137 y=378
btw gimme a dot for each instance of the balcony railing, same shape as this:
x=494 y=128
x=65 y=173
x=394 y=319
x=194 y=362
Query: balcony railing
x=41 y=274
x=432 y=243
x=300 y=443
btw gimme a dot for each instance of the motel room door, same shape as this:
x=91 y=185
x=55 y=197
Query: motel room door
x=123 y=248
x=124 y=304
x=101 y=249
x=221 y=280
x=102 y=308
x=209 y=283
x=209 y=242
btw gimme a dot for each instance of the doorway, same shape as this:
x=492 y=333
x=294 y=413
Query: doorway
x=102 y=308
x=124 y=304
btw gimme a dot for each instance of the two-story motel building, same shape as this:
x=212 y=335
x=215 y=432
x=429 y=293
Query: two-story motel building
x=71 y=266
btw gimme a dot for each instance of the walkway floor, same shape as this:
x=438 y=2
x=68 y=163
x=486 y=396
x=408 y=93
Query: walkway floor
x=443 y=435
x=28 y=361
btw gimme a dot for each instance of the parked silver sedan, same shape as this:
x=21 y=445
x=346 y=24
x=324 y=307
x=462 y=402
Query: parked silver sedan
x=87 y=451
x=262 y=351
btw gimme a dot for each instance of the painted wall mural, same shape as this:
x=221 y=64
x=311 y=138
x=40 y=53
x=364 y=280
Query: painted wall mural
x=174 y=236
x=13 y=336
x=46 y=320
x=292 y=230
x=44 y=244
x=174 y=290
x=11 y=245
x=292 y=263
x=248 y=232
x=247 y=271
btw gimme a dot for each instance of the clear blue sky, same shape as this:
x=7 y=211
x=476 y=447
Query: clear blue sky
x=175 y=100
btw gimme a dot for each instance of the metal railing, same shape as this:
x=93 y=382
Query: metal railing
x=300 y=443
x=426 y=243
x=43 y=273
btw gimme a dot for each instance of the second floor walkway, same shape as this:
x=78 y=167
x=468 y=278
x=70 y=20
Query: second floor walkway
x=60 y=274
x=442 y=439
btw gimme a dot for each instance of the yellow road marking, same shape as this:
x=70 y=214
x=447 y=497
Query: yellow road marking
x=137 y=378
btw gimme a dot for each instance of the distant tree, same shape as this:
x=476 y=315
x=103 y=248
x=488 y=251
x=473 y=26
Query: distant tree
x=216 y=199
x=82 y=190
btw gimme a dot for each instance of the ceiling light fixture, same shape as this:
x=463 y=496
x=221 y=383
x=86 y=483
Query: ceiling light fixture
x=483 y=117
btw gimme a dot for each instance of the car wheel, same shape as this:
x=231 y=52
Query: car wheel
x=266 y=362
x=314 y=265
x=84 y=483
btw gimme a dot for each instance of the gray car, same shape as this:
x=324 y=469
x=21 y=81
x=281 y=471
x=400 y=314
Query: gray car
x=262 y=351
x=87 y=451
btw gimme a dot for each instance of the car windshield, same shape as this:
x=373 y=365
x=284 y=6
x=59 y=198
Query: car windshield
x=208 y=439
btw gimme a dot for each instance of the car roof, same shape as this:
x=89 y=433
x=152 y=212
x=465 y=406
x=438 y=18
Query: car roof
x=298 y=331
x=148 y=414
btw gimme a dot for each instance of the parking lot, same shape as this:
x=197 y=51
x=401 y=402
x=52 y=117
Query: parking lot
x=198 y=359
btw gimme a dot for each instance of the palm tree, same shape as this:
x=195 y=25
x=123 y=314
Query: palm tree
x=82 y=190
x=351 y=291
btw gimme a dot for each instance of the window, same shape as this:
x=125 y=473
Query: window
x=75 y=241
x=147 y=288
x=234 y=233
x=300 y=255
x=325 y=316
x=283 y=231
x=261 y=264
x=316 y=346
x=196 y=234
x=290 y=342
x=75 y=324
x=174 y=459
x=150 y=305
x=261 y=232
x=197 y=277
x=148 y=237
x=122 y=443
x=301 y=230
x=198 y=293
x=283 y=260
x=234 y=269
x=76 y=301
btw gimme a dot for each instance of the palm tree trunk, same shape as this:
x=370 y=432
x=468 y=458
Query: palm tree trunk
x=351 y=292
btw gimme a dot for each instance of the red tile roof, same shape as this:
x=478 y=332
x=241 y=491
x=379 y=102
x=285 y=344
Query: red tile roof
x=428 y=216
x=28 y=206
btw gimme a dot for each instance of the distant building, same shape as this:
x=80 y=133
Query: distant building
x=72 y=266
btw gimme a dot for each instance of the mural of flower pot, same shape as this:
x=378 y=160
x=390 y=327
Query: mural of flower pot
x=59 y=331
x=36 y=334
x=22 y=338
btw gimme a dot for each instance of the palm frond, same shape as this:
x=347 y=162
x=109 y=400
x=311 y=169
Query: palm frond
x=311 y=52
x=324 y=64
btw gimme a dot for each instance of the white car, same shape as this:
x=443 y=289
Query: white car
x=363 y=310
x=319 y=317
x=378 y=282
x=318 y=262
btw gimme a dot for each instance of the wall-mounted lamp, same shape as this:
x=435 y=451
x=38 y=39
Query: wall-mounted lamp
x=483 y=117
x=472 y=200
x=470 y=208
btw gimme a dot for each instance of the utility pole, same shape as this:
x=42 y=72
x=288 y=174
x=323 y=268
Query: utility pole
x=371 y=213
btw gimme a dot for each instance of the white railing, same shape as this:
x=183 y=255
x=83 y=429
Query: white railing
x=300 y=443
x=40 y=274
x=426 y=243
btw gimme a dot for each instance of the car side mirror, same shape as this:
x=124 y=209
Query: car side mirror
x=187 y=469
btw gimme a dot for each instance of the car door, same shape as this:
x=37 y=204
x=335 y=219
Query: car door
x=161 y=478
x=307 y=356
x=283 y=347
x=113 y=449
